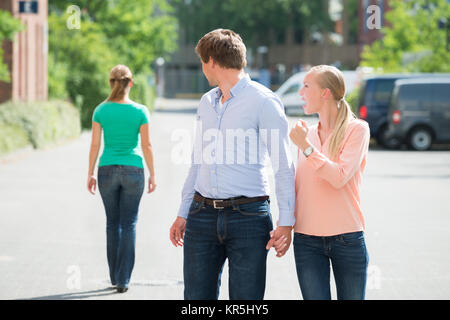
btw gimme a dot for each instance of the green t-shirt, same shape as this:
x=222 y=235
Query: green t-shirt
x=121 y=123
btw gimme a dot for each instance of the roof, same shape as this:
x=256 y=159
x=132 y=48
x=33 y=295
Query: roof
x=405 y=75
x=423 y=80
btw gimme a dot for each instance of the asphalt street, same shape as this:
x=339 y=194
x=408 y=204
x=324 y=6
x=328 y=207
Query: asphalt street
x=53 y=241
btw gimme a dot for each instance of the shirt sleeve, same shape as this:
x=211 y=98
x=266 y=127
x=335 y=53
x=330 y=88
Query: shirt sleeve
x=145 y=115
x=188 y=191
x=339 y=172
x=273 y=119
x=187 y=194
x=96 y=115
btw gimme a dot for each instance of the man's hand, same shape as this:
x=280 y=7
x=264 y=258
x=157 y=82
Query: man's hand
x=280 y=240
x=177 y=231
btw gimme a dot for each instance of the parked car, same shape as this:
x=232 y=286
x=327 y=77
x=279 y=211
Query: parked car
x=374 y=98
x=419 y=112
x=289 y=91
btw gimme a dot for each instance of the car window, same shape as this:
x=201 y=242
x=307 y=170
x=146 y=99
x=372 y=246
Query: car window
x=441 y=96
x=295 y=88
x=414 y=97
x=379 y=91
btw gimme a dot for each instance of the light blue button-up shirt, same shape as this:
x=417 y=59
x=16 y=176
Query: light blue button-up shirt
x=232 y=146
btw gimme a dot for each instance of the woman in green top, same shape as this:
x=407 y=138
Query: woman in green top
x=121 y=172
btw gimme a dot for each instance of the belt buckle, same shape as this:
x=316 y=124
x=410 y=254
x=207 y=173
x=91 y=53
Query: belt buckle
x=215 y=204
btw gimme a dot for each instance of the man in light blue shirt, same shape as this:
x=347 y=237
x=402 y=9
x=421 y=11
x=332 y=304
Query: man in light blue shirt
x=225 y=208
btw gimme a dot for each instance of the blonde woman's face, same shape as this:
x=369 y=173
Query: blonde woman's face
x=311 y=93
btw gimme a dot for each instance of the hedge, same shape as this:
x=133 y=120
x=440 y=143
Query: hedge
x=38 y=124
x=142 y=92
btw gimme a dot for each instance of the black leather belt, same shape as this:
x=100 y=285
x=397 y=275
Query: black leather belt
x=227 y=203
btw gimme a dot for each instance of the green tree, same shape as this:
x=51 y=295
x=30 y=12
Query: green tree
x=254 y=20
x=79 y=63
x=9 y=26
x=413 y=42
x=112 y=32
x=138 y=31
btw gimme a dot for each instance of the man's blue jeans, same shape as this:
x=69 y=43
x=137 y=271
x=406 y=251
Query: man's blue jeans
x=213 y=235
x=121 y=188
x=348 y=255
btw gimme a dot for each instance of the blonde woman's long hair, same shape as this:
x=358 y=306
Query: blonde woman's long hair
x=119 y=79
x=330 y=77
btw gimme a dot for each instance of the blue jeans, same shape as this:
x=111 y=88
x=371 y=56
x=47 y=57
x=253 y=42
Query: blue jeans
x=348 y=255
x=213 y=235
x=121 y=188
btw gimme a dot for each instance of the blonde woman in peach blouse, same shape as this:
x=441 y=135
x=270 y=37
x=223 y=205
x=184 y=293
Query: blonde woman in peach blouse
x=329 y=224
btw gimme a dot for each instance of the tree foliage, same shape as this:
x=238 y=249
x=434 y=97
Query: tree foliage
x=413 y=42
x=113 y=32
x=254 y=20
x=9 y=26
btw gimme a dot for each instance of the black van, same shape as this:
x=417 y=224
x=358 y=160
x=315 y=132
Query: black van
x=419 y=112
x=374 y=98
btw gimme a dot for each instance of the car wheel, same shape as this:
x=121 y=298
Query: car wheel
x=420 y=139
x=386 y=141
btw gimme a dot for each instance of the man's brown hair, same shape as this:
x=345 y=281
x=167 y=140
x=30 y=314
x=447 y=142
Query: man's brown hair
x=225 y=47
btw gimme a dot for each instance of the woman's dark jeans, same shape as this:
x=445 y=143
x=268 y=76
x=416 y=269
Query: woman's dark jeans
x=349 y=258
x=121 y=188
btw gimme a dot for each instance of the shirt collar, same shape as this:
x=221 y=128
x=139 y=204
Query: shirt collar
x=241 y=84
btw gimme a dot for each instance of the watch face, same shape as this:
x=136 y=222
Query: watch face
x=308 y=151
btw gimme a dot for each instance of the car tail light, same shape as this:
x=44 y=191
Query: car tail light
x=396 y=117
x=363 y=112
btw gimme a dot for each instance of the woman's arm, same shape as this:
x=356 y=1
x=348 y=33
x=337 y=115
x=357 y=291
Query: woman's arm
x=93 y=154
x=147 y=150
x=337 y=173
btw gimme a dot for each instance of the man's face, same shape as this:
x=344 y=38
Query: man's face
x=208 y=70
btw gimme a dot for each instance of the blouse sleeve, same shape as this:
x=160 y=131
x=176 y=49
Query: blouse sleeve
x=353 y=151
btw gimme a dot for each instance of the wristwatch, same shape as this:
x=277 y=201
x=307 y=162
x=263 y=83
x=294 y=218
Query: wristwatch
x=307 y=152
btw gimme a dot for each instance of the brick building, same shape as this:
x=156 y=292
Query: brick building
x=26 y=57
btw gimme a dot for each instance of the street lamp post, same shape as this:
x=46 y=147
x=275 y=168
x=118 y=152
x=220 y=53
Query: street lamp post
x=160 y=77
x=443 y=23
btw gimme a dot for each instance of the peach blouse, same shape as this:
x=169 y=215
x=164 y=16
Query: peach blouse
x=327 y=192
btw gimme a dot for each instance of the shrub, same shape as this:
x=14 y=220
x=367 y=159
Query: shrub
x=37 y=123
x=142 y=92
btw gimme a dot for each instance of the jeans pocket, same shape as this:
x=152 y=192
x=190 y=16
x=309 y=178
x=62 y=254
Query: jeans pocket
x=134 y=181
x=104 y=171
x=104 y=178
x=132 y=170
x=352 y=238
x=195 y=207
x=259 y=208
